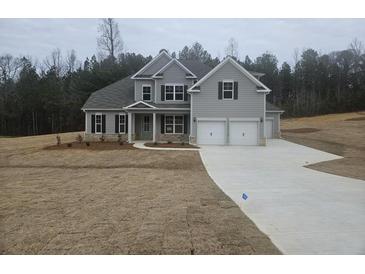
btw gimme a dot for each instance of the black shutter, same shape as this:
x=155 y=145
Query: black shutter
x=116 y=123
x=126 y=122
x=92 y=123
x=162 y=92
x=103 y=123
x=162 y=123
x=186 y=123
x=235 y=90
x=220 y=84
x=185 y=93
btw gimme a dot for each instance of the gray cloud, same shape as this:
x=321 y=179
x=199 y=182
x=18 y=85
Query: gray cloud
x=38 y=37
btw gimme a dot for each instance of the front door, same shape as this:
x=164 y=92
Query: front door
x=146 y=131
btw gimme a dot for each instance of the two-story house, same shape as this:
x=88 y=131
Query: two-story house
x=184 y=101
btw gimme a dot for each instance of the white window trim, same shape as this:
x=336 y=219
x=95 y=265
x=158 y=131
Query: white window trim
x=174 y=124
x=150 y=86
x=124 y=115
x=174 y=91
x=101 y=123
x=227 y=81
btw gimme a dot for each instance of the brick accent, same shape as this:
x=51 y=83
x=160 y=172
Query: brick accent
x=176 y=138
x=90 y=137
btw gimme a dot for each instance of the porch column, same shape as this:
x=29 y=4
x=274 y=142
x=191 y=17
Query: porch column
x=154 y=127
x=129 y=127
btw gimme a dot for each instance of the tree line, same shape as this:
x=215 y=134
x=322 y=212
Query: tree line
x=47 y=97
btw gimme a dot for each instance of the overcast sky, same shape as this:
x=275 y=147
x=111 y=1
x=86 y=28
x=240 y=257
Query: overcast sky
x=38 y=37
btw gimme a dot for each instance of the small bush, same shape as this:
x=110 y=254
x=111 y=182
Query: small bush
x=79 y=138
x=169 y=142
x=58 y=138
x=87 y=143
x=155 y=143
x=69 y=145
x=183 y=143
x=121 y=143
x=102 y=138
x=120 y=138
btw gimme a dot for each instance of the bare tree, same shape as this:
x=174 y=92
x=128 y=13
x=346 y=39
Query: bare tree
x=357 y=47
x=55 y=62
x=9 y=67
x=110 y=40
x=232 y=48
x=71 y=61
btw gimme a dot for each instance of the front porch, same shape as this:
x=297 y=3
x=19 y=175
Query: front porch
x=157 y=126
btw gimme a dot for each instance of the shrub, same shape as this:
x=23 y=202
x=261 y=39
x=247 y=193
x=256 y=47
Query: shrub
x=102 y=138
x=58 y=138
x=79 y=138
x=87 y=143
x=121 y=142
x=69 y=145
x=155 y=143
x=169 y=142
x=120 y=138
x=183 y=143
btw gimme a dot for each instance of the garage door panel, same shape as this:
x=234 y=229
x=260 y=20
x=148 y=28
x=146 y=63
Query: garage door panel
x=211 y=133
x=243 y=133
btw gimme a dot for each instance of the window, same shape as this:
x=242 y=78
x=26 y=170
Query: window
x=169 y=93
x=122 y=123
x=146 y=93
x=174 y=124
x=98 y=122
x=228 y=90
x=174 y=92
x=179 y=93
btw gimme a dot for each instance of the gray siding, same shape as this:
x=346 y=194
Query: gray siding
x=157 y=65
x=138 y=89
x=276 y=123
x=172 y=75
x=250 y=103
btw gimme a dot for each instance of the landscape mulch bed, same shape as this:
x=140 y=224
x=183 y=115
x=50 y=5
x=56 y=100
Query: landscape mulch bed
x=170 y=145
x=92 y=146
x=300 y=130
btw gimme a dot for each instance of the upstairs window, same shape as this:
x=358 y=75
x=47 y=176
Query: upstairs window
x=146 y=93
x=227 y=89
x=169 y=93
x=174 y=93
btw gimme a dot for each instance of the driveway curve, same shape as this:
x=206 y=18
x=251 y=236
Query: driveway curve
x=303 y=211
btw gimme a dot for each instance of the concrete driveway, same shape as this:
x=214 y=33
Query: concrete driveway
x=303 y=211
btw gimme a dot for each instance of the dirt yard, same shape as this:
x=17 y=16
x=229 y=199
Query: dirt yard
x=130 y=201
x=341 y=134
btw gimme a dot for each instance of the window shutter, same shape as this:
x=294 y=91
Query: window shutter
x=220 y=84
x=116 y=123
x=162 y=92
x=92 y=123
x=162 y=123
x=126 y=122
x=185 y=92
x=103 y=123
x=235 y=95
x=186 y=123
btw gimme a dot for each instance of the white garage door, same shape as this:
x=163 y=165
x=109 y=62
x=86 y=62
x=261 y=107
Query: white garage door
x=211 y=132
x=268 y=126
x=243 y=133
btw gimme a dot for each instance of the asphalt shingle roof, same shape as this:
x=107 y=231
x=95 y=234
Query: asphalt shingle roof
x=198 y=68
x=116 y=95
x=270 y=106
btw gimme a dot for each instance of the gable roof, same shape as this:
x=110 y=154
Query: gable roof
x=139 y=74
x=174 y=61
x=198 y=68
x=114 y=96
x=261 y=86
x=140 y=104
